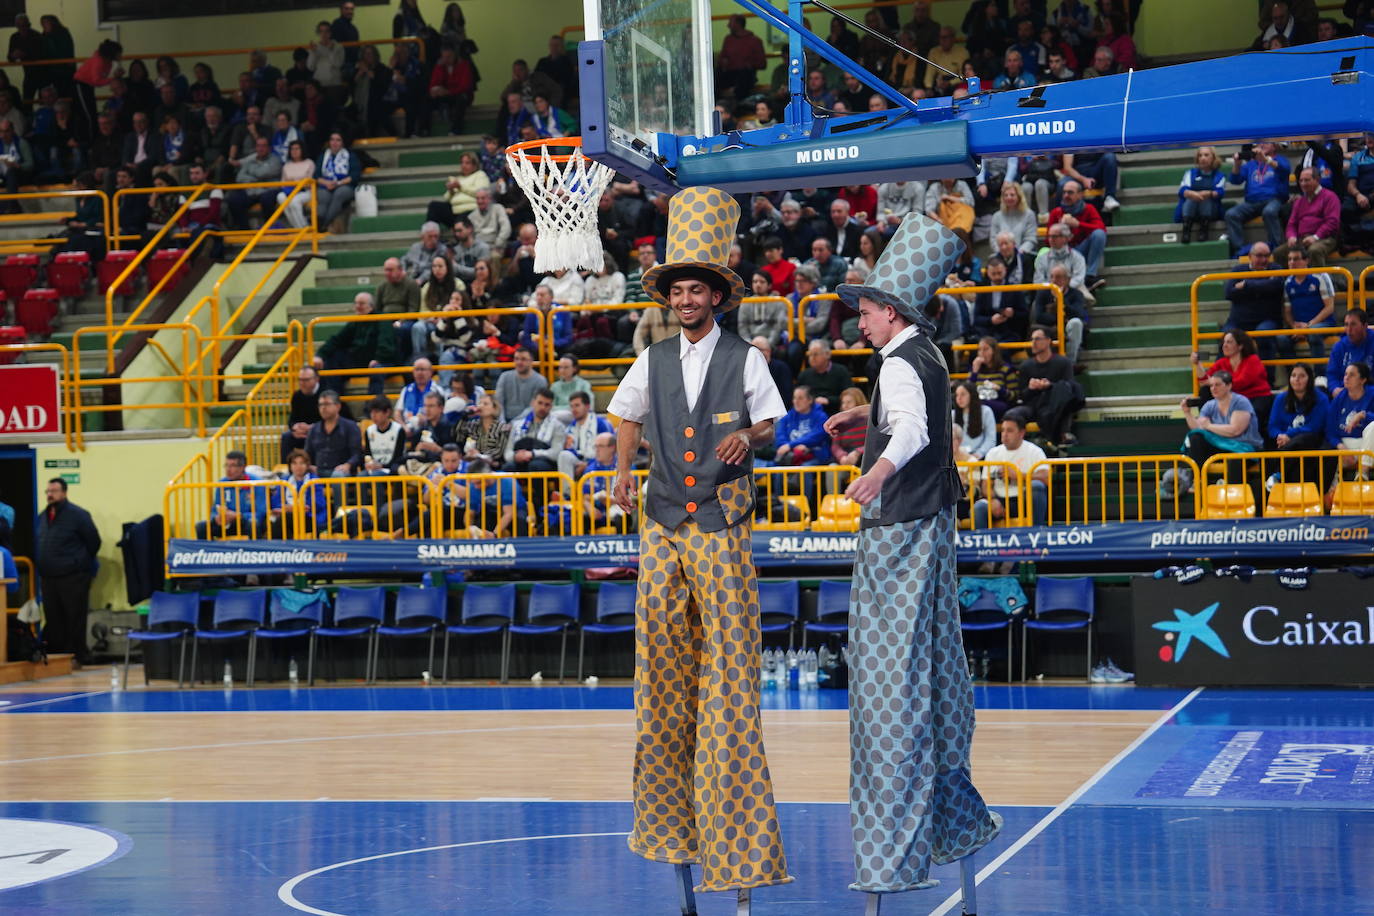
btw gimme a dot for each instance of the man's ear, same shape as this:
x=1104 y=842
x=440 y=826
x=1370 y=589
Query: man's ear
x=717 y=297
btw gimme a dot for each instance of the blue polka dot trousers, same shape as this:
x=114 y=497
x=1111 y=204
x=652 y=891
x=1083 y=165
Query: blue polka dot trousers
x=702 y=792
x=911 y=801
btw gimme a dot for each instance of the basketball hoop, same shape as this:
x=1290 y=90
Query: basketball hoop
x=563 y=187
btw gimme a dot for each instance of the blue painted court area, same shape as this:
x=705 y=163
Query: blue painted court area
x=419 y=699
x=1239 y=803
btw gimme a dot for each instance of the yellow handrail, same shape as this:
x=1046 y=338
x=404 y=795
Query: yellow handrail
x=181 y=371
x=267 y=398
x=66 y=388
x=1200 y=335
x=1127 y=479
x=49 y=240
x=25 y=566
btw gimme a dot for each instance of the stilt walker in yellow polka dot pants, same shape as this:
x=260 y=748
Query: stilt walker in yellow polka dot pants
x=704 y=400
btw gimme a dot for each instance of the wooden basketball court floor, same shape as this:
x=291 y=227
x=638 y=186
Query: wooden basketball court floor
x=492 y=800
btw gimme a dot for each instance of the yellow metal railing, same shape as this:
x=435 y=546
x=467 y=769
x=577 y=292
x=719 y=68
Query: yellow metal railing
x=1279 y=483
x=192 y=402
x=789 y=498
x=26 y=571
x=417 y=43
x=990 y=480
x=1199 y=335
x=599 y=513
x=1097 y=490
x=268 y=407
x=47 y=218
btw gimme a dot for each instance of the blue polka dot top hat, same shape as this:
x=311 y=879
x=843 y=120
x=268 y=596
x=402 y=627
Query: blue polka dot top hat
x=701 y=227
x=921 y=255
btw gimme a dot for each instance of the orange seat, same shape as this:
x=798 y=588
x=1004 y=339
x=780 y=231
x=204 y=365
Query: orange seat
x=1353 y=497
x=1228 y=500
x=837 y=513
x=1293 y=499
x=797 y=502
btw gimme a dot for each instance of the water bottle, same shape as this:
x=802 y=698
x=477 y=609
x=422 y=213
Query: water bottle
x=293 y=673
x=766 y=676
x=228 y=676
x=793 y=669
x=809 y=670
x=115 y=685
x=825 y=661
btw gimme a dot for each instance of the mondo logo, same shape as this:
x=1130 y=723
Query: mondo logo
x=1042 y=128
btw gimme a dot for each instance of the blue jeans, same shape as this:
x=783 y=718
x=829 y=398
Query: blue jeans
x=1288 y=345
x=1102 y=172
x=1091 y=249
x=1243 y=212
x=1202 y=211
x=1265 y=345
x=1040 y=506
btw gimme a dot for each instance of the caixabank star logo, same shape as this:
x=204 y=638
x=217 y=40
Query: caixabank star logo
x=1180 y=632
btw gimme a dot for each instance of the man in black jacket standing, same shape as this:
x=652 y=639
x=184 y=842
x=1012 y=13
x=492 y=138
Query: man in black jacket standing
x=67 y=545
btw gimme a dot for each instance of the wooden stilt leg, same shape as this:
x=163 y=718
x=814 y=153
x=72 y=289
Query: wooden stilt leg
x=686 y=899
x=874 y=905
x=742 y=902
x=968 y=885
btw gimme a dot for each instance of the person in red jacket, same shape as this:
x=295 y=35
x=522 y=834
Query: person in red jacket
x=863 y=202
x=1240 y=358
x=451 y=86
x=741 y=58
x=1089 y=232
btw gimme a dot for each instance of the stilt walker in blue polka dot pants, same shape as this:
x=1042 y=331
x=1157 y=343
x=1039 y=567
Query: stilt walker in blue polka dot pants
x=705 y=400
x=911 y=799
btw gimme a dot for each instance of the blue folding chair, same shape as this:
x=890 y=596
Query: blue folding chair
x=419 y=612
x=357 y=612
x=832 y=610
x=487 y=609
x=552 y=609
x=238 y=615
x=171 y=615
x=291 y=615
x=779 y=608
x=615 y=604
x=985 y=615
x=1061 y=606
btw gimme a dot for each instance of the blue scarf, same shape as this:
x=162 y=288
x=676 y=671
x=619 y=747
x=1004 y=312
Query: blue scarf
x=335 y=165
x=171 y=145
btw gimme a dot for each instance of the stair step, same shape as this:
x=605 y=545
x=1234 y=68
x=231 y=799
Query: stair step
x=388 y=222
x=1143 y=215
x=447 y=157
x=1154 y=382
x=371 y=258
x=393 y=190
x=1126 y=255
x=1157 y=335
x=1141 y=294
x=1151 y=175
x=328 y=295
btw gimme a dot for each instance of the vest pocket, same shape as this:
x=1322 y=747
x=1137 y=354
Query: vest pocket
x=736 y=498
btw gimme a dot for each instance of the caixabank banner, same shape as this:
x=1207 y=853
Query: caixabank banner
x=1224 y=630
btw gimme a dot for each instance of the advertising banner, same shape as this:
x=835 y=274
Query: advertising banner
x=30 y=401
x=1219 y=631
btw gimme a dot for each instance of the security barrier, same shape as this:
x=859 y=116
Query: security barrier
x=228 y=510
x=523 y=504
x=999 y=480
x=382 y=507
x=789 y=498
x=1086 y=491
x=49 y=220
x=1302 y=333
x=1276 y=484
x=598 y=511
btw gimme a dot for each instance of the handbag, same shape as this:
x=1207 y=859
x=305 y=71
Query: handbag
x=365 y=200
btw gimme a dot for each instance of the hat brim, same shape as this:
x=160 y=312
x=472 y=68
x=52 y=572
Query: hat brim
x=851 y=293
x=659 y=278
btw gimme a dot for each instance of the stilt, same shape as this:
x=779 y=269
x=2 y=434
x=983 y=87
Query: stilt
x=742 y=907
x=968 y=885
x=874 y=905
x=686 y=899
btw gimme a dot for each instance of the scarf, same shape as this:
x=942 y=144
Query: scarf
x=584 y=435
x=336 y=165
x=171 y=145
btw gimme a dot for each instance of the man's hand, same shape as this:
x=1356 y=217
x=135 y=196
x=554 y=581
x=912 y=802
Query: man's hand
x=227 y=515
x=866 y=489
x=1281 y=440
x=1310 y=240
x=782 y=452
x=1362 y=201
x=317 y=363
x=624 y=491
x=734 y=448
x=843 y=417
x=300 y=430
x=343 y=470
x=1068 y=219
x=995 y=508
x=1183 y=405
x=1292 y=241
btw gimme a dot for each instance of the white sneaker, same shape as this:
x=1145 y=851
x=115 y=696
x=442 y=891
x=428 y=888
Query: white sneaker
x=1109 y=203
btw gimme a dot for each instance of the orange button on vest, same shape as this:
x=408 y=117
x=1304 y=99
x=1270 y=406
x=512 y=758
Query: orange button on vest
x=690 y=480
x=689 y=456
x=689 y=432
x=691 y=507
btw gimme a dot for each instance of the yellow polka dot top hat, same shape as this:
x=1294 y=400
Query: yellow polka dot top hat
x=915 y=263
x=701 y=228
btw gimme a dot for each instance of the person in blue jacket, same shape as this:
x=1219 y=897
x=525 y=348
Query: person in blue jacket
x=801 y=438
x=1199 y=195
x=336 y=180
x=1265 y=177
x=1347 y=425
x=1297 y=422
x=562 y=329
x=1357 y=346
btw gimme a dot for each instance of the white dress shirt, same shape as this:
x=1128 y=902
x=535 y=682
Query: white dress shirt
x=902 y=414
x=761 y=398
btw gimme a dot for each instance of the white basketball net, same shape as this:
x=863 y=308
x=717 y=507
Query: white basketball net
x=564 y=196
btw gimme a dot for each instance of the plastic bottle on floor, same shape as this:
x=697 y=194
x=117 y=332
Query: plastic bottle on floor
x=228 y=675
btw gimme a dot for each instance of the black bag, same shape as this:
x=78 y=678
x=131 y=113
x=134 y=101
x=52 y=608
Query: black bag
x=23 y=645
x=142 y=545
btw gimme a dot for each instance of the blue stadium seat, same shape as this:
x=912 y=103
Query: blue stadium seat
x=1061 y=606
x=357 y=612
x=985 y=615
x=552 y=609
x=238 y=615
x=832 y=610
x=171 y=615
x=779 y=608
x=292 y=614
x=615 y=615
x=419 y=612
x=486 y=609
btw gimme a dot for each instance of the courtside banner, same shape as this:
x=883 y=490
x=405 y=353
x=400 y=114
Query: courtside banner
x=1225 y=630
x=1252 y=539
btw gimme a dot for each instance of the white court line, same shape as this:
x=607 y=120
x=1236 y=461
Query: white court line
x=307 y=740
x=988 y=870
x=73 y=696
x=286 y=893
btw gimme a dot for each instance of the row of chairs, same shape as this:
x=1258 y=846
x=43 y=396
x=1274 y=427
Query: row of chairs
x=1061 y=605
x=1237 y=500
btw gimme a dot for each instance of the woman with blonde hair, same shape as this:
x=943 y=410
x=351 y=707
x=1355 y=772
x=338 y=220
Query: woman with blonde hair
x=1199 y=194
x=847 y=442
x=1015 y=216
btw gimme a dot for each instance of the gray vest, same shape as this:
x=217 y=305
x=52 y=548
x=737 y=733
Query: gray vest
x=686 y=479
x=929 y=482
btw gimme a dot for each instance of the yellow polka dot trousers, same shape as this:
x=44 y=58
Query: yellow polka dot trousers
x=702 y=792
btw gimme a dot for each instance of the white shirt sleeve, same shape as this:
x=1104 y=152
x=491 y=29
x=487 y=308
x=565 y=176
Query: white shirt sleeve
x=761 y=396
x=631 y=398
x=903 y=412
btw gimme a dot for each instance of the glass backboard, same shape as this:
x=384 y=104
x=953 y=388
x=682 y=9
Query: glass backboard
x=656 y=75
